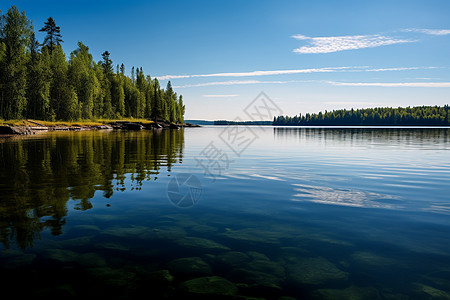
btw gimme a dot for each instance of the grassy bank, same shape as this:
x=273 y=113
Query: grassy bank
x=82 y=123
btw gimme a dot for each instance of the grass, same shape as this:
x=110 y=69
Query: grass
x=82 y=123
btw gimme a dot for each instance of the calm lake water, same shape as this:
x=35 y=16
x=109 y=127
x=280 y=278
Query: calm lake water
x=227 y=213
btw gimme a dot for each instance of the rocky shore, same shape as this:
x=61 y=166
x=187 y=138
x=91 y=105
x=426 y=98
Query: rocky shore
x=33 y=127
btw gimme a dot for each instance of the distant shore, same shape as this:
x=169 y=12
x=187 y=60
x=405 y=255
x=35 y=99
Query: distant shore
x=29 y=127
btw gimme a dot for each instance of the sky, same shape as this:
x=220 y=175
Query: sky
x=306 y=56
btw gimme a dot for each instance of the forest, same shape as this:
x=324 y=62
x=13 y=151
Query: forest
x=379 y=116
x=38 y=81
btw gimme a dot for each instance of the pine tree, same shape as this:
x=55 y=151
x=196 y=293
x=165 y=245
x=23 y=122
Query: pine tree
x=38 y=82
x=107 y=64
x=53 y=37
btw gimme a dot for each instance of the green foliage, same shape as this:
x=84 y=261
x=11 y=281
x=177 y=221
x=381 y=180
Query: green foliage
x=41 y=83
x=15 y=32
x=53 y=37
x=409 y=116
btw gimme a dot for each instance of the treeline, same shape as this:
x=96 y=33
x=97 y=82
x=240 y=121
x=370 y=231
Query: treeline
x=409 y=116
x=37 y=81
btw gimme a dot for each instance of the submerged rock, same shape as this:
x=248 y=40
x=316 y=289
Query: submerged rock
x=432 y=292
x=372 y=259
x=161 y=276
x=210 y=286
x=253 y=235
x=351 y=293
x=315 y=271
x=90 y=259
x=255 y=279
x=267 y=267
x=200 y=243
x=190 y=265
x=231 y=258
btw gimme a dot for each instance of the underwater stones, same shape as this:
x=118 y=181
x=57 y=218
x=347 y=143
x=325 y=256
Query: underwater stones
x=210 y=286
x=111 y=246
x=190 y=265
x=200 y=228
x=434 y=293
x=125 y=232
x=252 y=235
x=168 y=232
x=350 y=293
x=267 y=267
x=315 y=271
x=255 y=279
x=232 y=258
x=200 y=243
x=372 y=259
x=85 y=259
x=161 y=277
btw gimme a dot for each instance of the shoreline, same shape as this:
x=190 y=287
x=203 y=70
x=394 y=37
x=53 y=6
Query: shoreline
x=31 y=127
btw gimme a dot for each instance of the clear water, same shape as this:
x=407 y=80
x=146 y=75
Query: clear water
x=219 y=213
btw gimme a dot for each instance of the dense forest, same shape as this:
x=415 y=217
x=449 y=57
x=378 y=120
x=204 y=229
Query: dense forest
x=38 y=81
x=409 y=116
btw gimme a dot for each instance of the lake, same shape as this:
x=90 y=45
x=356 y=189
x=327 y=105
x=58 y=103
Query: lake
x=227 y=213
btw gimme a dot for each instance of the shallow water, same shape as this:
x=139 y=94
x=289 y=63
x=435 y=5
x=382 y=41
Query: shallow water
x=227 y=213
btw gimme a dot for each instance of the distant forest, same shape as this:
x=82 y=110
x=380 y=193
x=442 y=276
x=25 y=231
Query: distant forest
x=38 y=81
x=409 y=116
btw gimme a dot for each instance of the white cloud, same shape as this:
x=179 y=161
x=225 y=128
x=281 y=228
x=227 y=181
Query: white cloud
x=290 y=72
x=340 y=43
x=219 y=96
x=238 y=82
x=393 y=84
x=429 y=31
x=256 y=73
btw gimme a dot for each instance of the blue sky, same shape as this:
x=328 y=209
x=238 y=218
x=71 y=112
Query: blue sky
x=307 y=56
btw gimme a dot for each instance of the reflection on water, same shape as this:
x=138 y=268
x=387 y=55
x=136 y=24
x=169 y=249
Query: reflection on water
x=39 y=176
x=303 y=213
x=432 y=138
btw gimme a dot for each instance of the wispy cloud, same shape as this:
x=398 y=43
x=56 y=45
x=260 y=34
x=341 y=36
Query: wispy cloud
x=429 y=31
x=256 y=73
x=349 y=42
x=362 y=84
x=294 y=71
x=393 y=84
x=238 y=82
x=219 y=96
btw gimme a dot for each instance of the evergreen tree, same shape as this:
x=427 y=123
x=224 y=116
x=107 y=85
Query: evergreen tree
x=38 y=82
x=60 y=91
x=107 y=64
x=15 y=35
x=53 y=37
x=83 y=78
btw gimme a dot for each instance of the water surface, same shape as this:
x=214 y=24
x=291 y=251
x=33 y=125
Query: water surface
x=326 y=213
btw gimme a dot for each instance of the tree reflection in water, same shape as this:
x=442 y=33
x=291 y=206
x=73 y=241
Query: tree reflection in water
x=39 y=175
